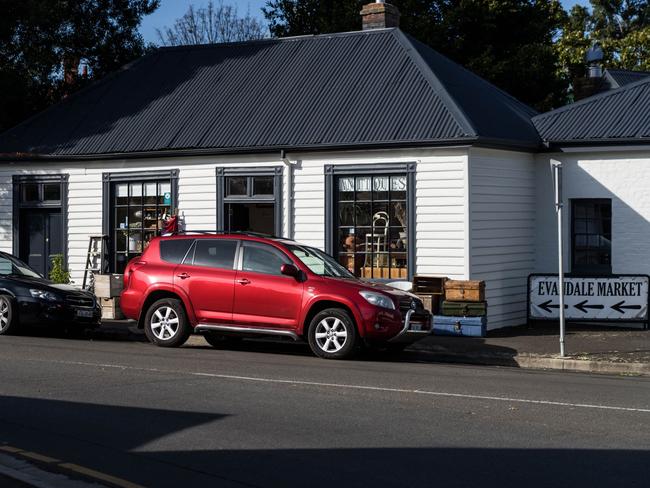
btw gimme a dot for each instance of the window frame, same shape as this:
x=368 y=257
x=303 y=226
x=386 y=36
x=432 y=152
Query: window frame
x=108 y=207
x=334 y=171
x=18 y=204
x=589 y=269
x=249 y=173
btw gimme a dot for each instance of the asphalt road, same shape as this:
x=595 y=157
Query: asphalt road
x=271 y=415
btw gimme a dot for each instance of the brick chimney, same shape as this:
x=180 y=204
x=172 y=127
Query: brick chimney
x=379 y=15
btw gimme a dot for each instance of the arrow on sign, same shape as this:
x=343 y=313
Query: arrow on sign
x=582 y=306
x=547 y=306
x=619 y=307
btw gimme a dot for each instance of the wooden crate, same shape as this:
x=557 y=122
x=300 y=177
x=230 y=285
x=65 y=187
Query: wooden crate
x=465 y=291
x=430 y=301
x=108 y=285
x=111 y=309
x=429 y=284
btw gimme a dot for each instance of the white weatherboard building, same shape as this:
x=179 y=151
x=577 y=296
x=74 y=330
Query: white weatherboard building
x=367 y=144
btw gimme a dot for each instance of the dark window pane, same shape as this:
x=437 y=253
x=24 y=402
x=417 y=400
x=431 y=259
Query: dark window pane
x=135 y=193
x=215 y=253
x=121 y=217
x=346 y=188
x=120 y=240
x=174 y=250
x=236 y=185
x=263 y=185
x=364 y=188
x=380 y=187
x=135 y=218
x=30 y=192
x=263 y=259
x=346 y=214
x=398 y=215
x=591 y=228
x=52 y=191
x=122 y=194
x=150 y=193
x=362 y=214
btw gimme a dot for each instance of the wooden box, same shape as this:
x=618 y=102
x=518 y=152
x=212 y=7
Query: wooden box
x=111 y=309
x=429 y=284
x=465 y=291
x=430 y=301
x=108 y=285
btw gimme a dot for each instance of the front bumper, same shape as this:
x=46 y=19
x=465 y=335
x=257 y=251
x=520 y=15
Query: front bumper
x=33 y=311
x=416 y=326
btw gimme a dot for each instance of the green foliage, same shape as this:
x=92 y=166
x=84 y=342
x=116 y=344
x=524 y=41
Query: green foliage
x=58 y=273
x=41 y=39
x=621 y=27
x=507 y=42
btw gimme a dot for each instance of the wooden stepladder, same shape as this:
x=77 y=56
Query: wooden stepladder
x=96 y=259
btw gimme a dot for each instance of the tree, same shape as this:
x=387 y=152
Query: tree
x=621 y=27
x=507 y=42
x=43 y=43
x=212 y=24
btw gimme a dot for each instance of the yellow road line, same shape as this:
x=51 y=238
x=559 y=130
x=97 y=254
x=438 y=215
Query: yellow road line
x=39 y=457
x=71 y=467
x=100 y=476
x=10 y=449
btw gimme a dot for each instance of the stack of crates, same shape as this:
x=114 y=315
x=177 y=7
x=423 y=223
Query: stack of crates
x=463 y=311
x=430 y=289
x=107 y=290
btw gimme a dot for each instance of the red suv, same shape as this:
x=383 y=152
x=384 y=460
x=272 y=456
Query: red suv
x=240 y=285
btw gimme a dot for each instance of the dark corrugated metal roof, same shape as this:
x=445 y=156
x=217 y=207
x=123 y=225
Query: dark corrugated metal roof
x=360 y=88
x=616 y=78
x=615 y=116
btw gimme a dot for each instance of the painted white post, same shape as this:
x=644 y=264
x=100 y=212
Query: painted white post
x=556 y=168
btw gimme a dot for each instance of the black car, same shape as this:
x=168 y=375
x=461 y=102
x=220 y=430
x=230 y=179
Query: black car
x=27 y=298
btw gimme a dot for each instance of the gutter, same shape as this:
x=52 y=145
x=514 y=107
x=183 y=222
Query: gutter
x=473 y=141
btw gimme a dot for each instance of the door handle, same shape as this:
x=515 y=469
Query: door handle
x=244 y=281
x=183 y=276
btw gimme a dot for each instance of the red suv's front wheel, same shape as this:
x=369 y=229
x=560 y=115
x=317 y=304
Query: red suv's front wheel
x=332 y=334
x=166 y=323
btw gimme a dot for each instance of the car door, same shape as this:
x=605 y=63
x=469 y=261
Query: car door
x=263 y=296
x=208 y=276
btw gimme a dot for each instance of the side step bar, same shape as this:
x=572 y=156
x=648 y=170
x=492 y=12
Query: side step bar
x=246 y=330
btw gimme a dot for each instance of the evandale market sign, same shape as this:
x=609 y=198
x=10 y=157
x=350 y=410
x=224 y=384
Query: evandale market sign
x=613 y=298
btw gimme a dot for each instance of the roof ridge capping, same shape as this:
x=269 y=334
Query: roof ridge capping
x=592 y=99
x=273 y=40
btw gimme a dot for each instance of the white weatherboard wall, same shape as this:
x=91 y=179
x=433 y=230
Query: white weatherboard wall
x=622 y=176
x=502 y=230
x=440 y=204
x=440 y=198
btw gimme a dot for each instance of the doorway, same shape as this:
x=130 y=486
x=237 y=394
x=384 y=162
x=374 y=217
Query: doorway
x=41 y=237
x=39 y=220
x=250 y=200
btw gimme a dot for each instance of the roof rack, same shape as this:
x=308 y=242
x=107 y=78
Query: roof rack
x=235 y=232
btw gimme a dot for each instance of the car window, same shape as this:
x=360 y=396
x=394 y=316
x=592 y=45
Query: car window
x=10 y=265
x=260 y=258
x=217 y=253
x=174 y=250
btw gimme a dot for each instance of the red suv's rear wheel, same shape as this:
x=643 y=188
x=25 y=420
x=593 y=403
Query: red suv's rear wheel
x=332 y=334
x=166 y=323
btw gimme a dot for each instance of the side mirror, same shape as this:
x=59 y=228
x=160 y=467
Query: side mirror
x=290 y=270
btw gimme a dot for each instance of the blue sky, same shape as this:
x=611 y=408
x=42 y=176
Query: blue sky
x=170 y=10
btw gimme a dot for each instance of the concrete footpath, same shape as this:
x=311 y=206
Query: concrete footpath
x=590 y=348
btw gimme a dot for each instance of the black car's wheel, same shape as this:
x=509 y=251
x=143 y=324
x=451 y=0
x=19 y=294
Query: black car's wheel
x=166 y=323
x=8 y=320
x=221 y=341
x=332 y=334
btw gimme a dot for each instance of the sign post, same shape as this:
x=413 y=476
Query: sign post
x=556 y=168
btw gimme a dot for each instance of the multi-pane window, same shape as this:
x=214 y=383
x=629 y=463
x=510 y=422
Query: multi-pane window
x=372 y=225
x=591 y=230
x=139 y=210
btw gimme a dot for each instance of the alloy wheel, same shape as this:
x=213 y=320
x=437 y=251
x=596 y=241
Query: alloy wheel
x=331 y=334
x=4 y=313
x=164 y=323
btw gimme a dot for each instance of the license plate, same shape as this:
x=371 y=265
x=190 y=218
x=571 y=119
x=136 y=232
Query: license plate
x=87 y=314
x=415 y=327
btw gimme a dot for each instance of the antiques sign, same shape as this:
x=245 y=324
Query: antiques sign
x=621 y=298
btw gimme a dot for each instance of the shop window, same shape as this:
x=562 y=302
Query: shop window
x=372 y=223
x=137 y=207
x=591 y=236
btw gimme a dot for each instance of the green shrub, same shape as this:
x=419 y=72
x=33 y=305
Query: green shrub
x=58 y=274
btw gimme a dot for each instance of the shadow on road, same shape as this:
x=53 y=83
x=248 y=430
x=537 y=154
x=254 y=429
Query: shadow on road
x=112 y=439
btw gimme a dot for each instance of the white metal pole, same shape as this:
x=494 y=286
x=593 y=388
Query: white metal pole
x=557 y=179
